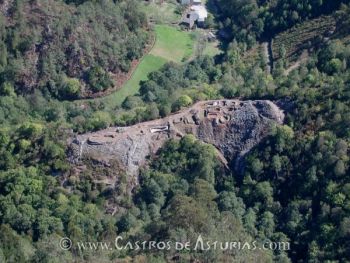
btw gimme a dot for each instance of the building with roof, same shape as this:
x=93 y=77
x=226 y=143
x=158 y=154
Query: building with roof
x=196 y=14
x=191 y=2
x=201 y=12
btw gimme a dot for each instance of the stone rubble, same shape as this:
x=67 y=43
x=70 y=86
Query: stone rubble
x=234 y=127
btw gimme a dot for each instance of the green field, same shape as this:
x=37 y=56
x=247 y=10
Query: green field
x=211 y=49
x=164 y=13
x=149 y=64
x=171 y=45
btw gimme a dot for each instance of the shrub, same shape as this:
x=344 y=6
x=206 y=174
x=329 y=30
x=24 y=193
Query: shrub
x=182 y=101
x=70 y=88
x=98 y=79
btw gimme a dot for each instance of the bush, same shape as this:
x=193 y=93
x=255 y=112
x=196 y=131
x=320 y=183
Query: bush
x=182 y=101
x=132 y=102
x=7 y=89
x=100 y=120
x=31 y=130
x=334 y=66
x=98 y=79
x=70 y=88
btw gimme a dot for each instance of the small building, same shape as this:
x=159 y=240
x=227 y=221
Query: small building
x=201 y=12
x=197 y=14
x=191 y=2
x=190 y=19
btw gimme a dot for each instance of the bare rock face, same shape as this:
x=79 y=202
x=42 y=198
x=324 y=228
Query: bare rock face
x=234 y=127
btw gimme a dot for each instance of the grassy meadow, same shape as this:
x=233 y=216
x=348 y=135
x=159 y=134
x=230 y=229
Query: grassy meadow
x=149 y=64
x=164 y=13
x=171 y=44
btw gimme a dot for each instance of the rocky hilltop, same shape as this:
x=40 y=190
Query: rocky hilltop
x=234 y=127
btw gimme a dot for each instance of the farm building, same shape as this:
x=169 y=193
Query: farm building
x=191 y=2
x=197 y=14
x=201 y=12
x=190 y=19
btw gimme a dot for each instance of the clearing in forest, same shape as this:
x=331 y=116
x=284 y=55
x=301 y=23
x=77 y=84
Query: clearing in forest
x=303 y=37
x=171 y=45
x=164 y=13
x=148 y=64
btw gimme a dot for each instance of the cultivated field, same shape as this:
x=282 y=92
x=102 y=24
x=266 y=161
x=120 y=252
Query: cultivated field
x=296 y=42
x=165 y=13
x=171 y=45
x=303 y=36
x=149 y=64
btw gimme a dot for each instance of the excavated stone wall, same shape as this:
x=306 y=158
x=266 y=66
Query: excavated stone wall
x=234 y=127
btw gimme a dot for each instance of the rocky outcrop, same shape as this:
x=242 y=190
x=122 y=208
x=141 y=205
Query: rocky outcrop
x=234 y=127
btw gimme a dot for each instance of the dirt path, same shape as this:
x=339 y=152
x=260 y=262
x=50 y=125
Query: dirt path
x=266 y=54
x=267 y=49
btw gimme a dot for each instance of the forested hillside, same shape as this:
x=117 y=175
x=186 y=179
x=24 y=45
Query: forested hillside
x=68 y=49
x=294 y=186
x=248 y=20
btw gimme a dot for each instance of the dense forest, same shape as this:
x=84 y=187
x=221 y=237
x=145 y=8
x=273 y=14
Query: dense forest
x=68 y=49
x=295 y=186
x=249 y=20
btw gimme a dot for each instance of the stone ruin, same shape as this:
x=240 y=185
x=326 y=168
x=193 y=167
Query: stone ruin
x=234 y=127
